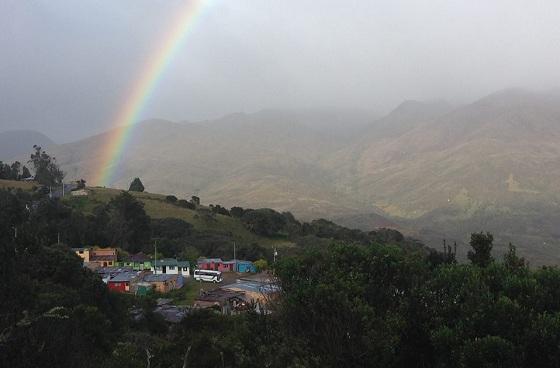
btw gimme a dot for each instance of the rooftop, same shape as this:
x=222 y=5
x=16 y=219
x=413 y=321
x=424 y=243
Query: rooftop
x=103 y=258
x=159 y=278
x=138 y=257
x=171 y=262
x=123 y=277
x=209 y=260
x=254 y=287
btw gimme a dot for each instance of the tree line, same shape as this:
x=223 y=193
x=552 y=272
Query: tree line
x=343 y=303
x=46 y=170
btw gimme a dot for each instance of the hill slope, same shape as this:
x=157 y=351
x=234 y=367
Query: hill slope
x=428 y=167
x=17 y=142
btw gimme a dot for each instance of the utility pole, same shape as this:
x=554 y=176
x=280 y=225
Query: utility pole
x=58 y=238
x=155 y=257
x=234 y=258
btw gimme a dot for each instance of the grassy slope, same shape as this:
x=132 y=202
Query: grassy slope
x=25 y=185
x=156 y=207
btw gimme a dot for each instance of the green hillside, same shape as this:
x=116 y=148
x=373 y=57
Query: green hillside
x=157 y=207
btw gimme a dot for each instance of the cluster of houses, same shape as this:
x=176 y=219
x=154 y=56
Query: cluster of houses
x=141 y=275
x=217 y=264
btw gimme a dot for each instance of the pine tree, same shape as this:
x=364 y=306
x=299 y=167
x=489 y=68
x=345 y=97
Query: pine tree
x=136 y=185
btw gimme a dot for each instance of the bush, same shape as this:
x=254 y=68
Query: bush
x=171 y=199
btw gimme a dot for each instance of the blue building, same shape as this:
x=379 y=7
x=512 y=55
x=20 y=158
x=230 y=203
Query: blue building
x=245 y=266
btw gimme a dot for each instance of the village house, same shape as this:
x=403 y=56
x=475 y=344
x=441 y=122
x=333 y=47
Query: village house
x=217 y=264
x=214 y=264
x=164 y=283
x=83 y=253
x=123 y=282
x=97 y=257
x=79 y=193
x=226 y=301
x=138 y=262
x=171 y=266
x=256 y=292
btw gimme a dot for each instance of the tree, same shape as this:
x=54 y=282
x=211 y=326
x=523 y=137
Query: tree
x=128 y=224
x=81 y=184
x=237 y=211
x=261 y=264
x=264 y=221
x=171 y=199
x=15 y=168
x=195 y=200
x=186 y=204
x=47 y=171
x=136 y=185
x=512 y=261
x=25 y=174
x=482 y=246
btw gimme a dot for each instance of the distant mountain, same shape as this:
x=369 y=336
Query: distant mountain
x=18 y=142
x=266 y=159
x=430 y=168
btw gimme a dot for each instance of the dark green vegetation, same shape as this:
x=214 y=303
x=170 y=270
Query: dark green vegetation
x=136 y=185
x=348 y=299
x=46 y=170
x=13 y=171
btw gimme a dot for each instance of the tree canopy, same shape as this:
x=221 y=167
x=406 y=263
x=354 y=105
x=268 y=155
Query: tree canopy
x=136 y=185
x=46 y=169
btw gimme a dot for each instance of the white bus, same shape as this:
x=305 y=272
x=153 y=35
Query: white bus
x=208 y=275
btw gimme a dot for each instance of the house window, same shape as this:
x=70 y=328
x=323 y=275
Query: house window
x=81 y=252
x=171 y=267
x=185 y=269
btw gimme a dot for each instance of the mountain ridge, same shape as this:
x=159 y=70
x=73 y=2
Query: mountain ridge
x=424 y=165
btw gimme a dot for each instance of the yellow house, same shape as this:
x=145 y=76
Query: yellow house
x=83 y=253
x=97 y=257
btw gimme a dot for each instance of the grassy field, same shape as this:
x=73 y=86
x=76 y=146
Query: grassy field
x=157 y=207
x=25 y=185
x=190 y=291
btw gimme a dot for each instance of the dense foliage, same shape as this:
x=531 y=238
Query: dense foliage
x=46 y=169
x=53 y=312
x=348 y=298
x=14 y=171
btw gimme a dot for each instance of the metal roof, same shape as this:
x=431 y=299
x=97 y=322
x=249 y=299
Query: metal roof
x=171 y=262
x=123 y=277
x=159 y=277
x=208 y=260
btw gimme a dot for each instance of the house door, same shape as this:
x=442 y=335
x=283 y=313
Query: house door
x=164 y=269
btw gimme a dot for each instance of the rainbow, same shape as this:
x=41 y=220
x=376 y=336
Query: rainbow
x=128 y=115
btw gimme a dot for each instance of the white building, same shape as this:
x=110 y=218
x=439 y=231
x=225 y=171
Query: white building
x=171 y=266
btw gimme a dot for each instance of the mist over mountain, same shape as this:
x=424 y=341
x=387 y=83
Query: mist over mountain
x=430 y=168
x=17 y=142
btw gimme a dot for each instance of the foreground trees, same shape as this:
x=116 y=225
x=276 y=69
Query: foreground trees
x=348 y=303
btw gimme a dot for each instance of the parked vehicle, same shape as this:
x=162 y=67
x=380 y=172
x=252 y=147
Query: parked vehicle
x=208 y=275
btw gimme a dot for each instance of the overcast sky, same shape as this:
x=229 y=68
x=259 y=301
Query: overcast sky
x=66 y=66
